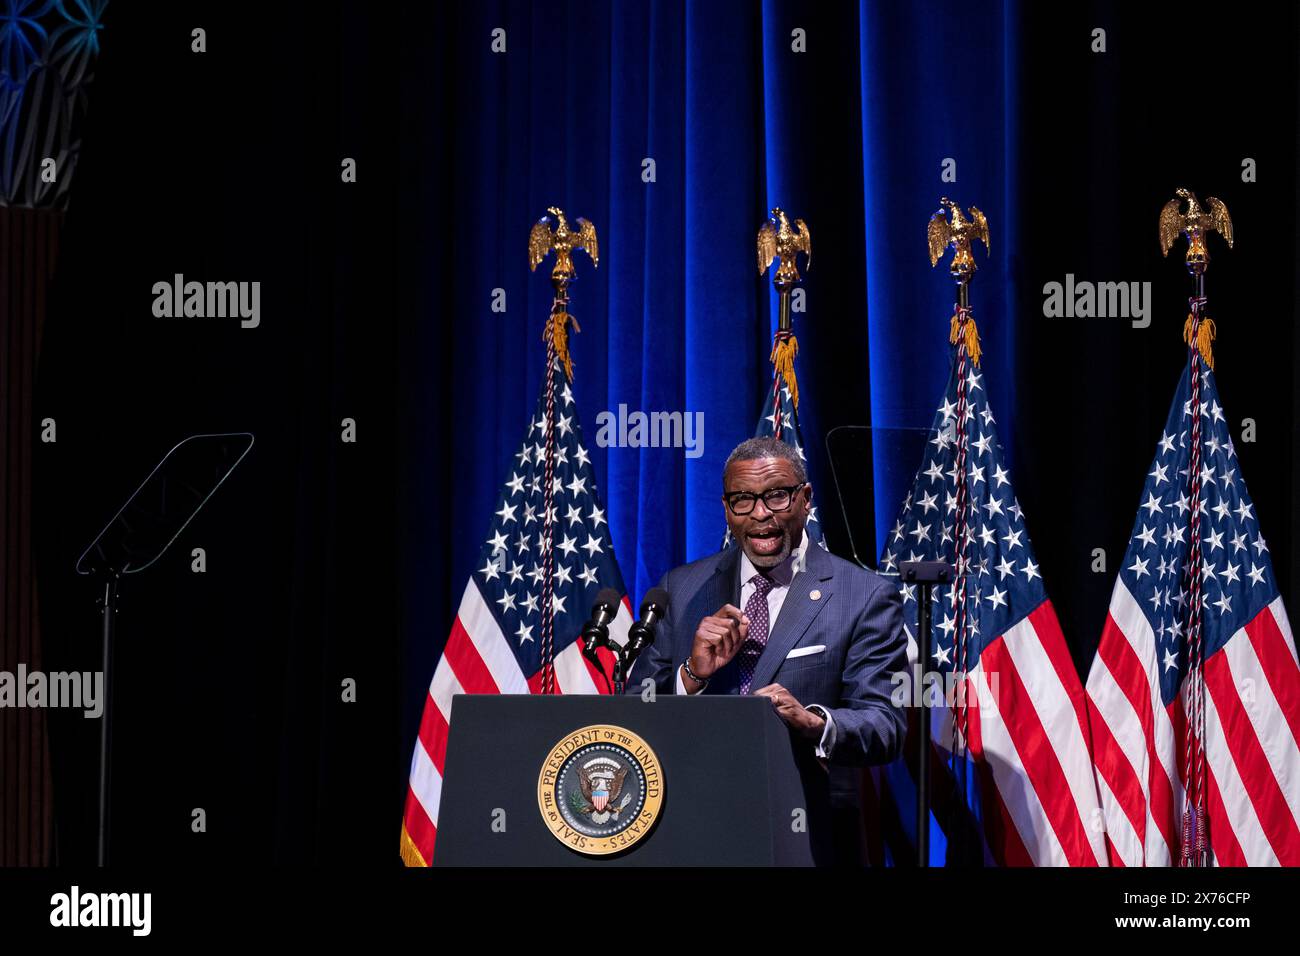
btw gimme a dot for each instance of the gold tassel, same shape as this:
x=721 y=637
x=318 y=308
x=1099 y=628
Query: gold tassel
x=1204 y=338
x=559 y=326
x=410 y=853
x=972 y=339
x=782 y=358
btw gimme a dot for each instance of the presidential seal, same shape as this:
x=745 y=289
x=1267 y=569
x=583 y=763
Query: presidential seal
x=600 y=790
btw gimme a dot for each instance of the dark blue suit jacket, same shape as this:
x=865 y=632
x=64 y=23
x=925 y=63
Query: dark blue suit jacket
x=856 y=620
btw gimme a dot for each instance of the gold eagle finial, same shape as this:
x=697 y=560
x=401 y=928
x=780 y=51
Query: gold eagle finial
x=1194 y=224
x=542 y=239
x=777 y=240
x=958 y=233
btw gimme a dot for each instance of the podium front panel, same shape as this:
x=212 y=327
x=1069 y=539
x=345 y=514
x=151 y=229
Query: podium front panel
x=732 y=791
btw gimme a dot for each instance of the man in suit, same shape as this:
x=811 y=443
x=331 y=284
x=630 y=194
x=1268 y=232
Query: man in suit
x=817 y=635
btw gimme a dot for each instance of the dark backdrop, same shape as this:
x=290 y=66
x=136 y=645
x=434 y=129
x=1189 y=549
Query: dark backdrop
x=329 y=560
x=226 y=166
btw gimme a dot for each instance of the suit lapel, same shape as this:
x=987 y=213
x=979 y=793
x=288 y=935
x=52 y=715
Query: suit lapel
x=797 y=613
x=725 y=584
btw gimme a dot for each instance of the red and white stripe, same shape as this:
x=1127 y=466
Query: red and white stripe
x=1252 y=725
x=1027 y=719
x=477 y=660
x=1033 y=730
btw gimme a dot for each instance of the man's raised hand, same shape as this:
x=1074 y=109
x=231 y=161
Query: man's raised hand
x=718 y=640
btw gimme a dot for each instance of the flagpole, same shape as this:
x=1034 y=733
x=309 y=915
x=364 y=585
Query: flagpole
x=778 y=239
x=957 y=232
x=542 y=239
x=926 y=574
x=961 y=541
x=1198 y=334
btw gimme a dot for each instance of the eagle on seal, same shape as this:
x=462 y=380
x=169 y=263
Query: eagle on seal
x=600 y=786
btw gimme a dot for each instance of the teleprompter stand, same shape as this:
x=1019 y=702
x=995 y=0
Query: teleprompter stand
x=143 y=528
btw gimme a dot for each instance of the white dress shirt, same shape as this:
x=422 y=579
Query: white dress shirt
x=783 y=574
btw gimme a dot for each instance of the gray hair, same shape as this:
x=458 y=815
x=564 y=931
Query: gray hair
x=766 y=447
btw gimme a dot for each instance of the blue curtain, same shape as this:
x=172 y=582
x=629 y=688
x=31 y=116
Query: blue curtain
x=715 y=105
x=846 y=115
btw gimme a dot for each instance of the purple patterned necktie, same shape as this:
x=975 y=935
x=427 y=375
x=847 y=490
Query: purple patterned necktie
x=756 y=640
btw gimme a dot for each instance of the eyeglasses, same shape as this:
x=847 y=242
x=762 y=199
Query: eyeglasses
x=774 y=499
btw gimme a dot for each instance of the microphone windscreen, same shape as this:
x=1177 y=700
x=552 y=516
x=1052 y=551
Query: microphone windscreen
x=654 y=596
x=609 y=598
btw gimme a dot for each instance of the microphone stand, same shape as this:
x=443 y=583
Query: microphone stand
x=639 y=637
x=620 y=670
x=925 y=575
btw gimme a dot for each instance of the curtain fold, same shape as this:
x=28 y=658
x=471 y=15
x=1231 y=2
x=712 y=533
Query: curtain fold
x=29 y=241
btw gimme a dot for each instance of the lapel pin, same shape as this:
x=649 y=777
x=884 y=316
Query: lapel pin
x=815 y=595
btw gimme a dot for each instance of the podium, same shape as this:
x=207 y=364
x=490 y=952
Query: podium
x=725 y=781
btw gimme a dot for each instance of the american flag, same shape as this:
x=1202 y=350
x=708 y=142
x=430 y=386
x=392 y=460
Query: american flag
x=497 y=640
x=1017 y=788
x=1151 y=708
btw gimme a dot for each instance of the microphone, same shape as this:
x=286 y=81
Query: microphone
x=595 y=633
x=642 y=633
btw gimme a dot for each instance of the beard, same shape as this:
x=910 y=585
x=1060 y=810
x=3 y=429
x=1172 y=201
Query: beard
x=763 y=559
